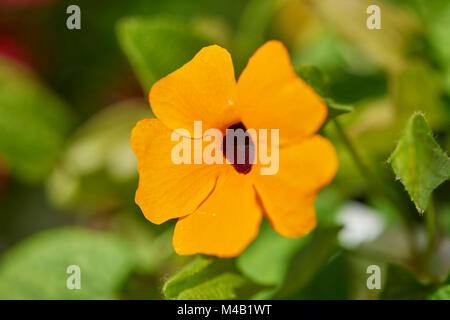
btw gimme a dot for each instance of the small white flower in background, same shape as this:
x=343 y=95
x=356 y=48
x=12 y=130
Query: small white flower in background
x=360 y=224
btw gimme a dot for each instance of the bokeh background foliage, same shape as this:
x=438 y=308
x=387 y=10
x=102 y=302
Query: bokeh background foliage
x=68 y=100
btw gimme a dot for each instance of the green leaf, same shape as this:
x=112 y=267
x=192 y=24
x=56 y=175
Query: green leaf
x=333 y=281
x=268 y=244
x=419 y=162
x=98 y=168
x=402 y=284
x=442 y=294
x=33 y=123
x=157 y=46
x=150 y=245
x=209 y=278
x=281 y=250
x=252 y=27
x=327 y=205
x=315 y=77
x=336 y=109
x=309 y=260
x=318 y=80
x=36 y=268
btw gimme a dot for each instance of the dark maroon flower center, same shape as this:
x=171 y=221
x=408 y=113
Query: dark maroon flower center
x=238 y=148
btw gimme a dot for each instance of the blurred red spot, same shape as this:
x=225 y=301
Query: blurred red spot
x=12 y=50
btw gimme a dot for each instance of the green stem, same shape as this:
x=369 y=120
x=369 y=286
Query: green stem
x=372 y=181
x=365 y=172
x=374 y=184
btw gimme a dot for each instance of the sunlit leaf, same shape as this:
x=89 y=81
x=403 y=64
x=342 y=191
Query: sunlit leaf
x=36 y=268
x=33 y=123
x=419 y=162
x=209 y=278
x=442 y=294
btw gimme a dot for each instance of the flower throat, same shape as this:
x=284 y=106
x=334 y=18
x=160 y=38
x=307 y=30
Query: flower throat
x=242 y=152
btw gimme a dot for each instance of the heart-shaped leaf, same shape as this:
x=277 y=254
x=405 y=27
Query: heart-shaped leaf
x=419 y=162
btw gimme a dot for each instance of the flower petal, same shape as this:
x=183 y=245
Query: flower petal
x=290 y=212
x=167 y=190
x=270 y=95
x=200 y=90
x=225 y=223
x=308 y=165
x=288 y=196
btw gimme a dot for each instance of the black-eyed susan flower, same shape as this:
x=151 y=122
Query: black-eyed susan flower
x=220 y=206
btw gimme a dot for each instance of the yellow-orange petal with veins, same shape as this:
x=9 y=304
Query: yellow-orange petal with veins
x=202 y=89
x=167 y=190
x=225 y=223
x=270 y=95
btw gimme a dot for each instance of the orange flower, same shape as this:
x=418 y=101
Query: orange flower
x=220 y=206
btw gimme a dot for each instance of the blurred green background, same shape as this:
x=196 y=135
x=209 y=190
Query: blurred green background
x=69 y=99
